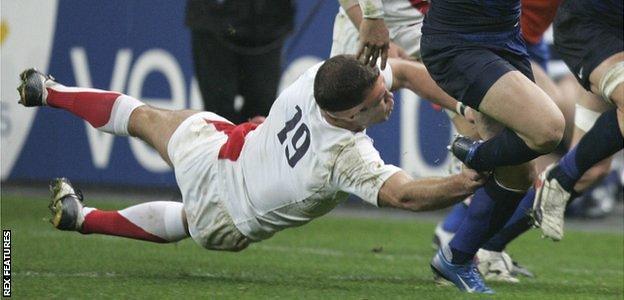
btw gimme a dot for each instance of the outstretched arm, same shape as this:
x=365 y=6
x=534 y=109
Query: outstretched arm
x=430 y=193
x=413 y=75
x=359 y=170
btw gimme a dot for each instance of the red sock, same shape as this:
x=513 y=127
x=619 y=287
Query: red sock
x=113 y=223
x=94 y=106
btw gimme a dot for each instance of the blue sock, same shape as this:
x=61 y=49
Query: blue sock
x=601 y=141
x=568 y=164
x=504 y=149
x=454 y=219
x=490 y=209
x=518 y=224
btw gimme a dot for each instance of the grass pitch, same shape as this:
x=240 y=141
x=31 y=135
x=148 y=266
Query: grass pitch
x=330 y=258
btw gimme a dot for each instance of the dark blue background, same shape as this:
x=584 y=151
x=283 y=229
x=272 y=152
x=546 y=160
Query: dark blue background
x=57 y=144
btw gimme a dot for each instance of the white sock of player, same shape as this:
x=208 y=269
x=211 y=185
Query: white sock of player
x=105 y=110
x=158 y=221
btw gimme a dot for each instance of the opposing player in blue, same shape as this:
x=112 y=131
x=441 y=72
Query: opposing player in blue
x=474 y=51
x=589 y=36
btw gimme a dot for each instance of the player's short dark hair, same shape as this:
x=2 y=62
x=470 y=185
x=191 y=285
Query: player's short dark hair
x=341 y=82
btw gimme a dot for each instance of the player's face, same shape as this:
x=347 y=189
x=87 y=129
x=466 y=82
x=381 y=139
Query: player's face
x=377 y=105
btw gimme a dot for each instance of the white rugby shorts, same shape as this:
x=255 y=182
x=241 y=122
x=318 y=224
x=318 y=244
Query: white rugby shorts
x=346 y=37
x=194 y=150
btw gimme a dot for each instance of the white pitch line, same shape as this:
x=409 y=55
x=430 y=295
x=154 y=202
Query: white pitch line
x=338 y=253
x=591 y=272
x=80 y=274
x=368 y=278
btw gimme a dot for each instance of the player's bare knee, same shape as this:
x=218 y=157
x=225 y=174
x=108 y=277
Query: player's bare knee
x=549 y=135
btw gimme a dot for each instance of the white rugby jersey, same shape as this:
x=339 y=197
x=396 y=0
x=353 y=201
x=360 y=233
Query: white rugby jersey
x=296 y=166
x=402 y=12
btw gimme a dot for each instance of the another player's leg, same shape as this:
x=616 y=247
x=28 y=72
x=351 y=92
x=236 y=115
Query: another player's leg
x=523 y=220
x=261 y=76
x=446 y=229
x=599 y=143
x=496 y=83
x=557 y=182
x=493 y=205
x=489 y=210
x=588 y=110
x=160 y=222
x=586 y=114
x=493 y=262
x=564 y=102
x=599 y=67
x=534 y=124
x=216 y=71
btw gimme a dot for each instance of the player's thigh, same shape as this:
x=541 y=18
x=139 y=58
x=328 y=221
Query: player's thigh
x=345 y=37
x=565 y=104
x=408 y=37
x=496 y=81
x=454 y=68
x=467 y=72
x=548 y=85
x=155 y=126
x=521 y=105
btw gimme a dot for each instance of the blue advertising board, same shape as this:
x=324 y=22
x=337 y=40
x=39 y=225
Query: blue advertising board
x=142 y=48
